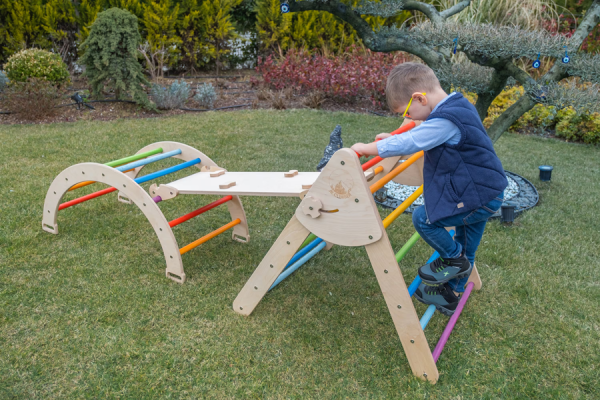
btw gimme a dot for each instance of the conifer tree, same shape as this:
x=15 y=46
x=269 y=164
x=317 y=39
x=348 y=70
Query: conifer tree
x=219 y=30
x=190 y=31
x=160 y=19
x=111 y=56
x=87 y=11
x=273 y=27
x=21 y=26
x=60 y=24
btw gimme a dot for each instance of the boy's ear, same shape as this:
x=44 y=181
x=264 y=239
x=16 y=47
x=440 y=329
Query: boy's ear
x=420 y=98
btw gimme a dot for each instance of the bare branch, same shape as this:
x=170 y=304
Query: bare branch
x=429 y=10
x=455 y=9
x=589 y=21
x=340 y=10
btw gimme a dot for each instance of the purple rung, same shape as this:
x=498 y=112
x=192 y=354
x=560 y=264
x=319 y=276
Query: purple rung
x=157 y=199
x=439 y=347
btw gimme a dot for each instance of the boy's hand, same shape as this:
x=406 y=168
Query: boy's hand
x=382 y=136
x=366 y=149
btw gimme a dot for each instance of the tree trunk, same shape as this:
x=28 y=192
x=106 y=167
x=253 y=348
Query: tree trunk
x=484 y=100
x=508 y=117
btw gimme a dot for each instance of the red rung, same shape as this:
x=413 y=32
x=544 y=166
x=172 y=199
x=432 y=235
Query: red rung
x=86 y=198
x=199 y=211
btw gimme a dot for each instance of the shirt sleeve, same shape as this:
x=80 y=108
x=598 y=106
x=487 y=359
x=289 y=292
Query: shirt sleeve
x=426 y=136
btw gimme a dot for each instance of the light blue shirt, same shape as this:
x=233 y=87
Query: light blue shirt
x=426 y=136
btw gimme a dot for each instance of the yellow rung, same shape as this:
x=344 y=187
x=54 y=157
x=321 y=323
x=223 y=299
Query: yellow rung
x=402 y=207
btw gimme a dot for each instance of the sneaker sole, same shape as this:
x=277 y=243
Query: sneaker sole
x=447 y=312
x=458 y=276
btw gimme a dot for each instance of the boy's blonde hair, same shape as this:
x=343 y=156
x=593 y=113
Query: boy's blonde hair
x=406 y=79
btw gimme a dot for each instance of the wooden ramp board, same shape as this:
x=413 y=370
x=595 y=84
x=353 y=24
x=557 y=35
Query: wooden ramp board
x=246 y=183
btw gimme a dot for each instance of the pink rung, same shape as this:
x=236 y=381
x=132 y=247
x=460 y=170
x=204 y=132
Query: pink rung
x=439 y=347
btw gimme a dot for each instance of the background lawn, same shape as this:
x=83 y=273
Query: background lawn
x=89 y=313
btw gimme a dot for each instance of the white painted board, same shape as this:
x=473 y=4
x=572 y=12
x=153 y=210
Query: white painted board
x=246 y=183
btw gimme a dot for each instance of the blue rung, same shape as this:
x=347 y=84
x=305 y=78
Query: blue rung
x=302 y=252
x=427 y=316
x=148 y=160
x=298 y=264
x=167 y=171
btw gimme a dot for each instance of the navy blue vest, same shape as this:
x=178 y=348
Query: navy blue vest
x=464 y=176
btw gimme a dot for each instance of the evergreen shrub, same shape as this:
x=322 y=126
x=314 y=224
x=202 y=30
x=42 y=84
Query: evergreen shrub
x=3 y=81
x=36 y=63
x=174 y=96
x=206 y=95
x=111 y=56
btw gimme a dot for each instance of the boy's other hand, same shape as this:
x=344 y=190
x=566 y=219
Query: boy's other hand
x=382 y=136
x=366 y=149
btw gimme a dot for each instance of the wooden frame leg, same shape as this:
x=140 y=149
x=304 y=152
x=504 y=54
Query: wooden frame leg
x=475 y=278
x=270 y=267
x=402 y=309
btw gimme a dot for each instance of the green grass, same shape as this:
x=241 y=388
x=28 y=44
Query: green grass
x=88 y=313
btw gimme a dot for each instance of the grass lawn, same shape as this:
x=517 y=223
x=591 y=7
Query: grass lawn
x=89 y=313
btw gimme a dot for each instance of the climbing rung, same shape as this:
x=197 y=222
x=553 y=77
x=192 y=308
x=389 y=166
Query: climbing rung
x=139 y=180
x=199 y=211
x=211 y=235
x=148 y=160
x=439 y=347
x=427 y=316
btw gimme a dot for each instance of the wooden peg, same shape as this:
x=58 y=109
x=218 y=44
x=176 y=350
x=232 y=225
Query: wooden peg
x=218 y=173
x=210 y=168
x=306 y=186
x=311 y=206
x=227 y=185
x=291 y=174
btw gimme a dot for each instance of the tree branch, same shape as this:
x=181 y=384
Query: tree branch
x=455 y=9
x=484 y=100
x=429 y=10
x=508 y=117
x=589 y=21
x=555 y=74
x=341 y=10
x=379 y=42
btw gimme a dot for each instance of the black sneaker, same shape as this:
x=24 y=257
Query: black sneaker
x=441 y=296
x=442 y=270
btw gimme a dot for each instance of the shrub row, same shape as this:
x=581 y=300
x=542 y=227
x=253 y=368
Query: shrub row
x=181 y=35
x=357 y=72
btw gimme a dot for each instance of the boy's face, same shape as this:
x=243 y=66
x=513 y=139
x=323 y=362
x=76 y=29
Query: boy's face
x=415 y=108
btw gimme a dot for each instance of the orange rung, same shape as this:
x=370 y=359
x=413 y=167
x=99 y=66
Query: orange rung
x=82 y=184
x=392 y=174
x=211 y=235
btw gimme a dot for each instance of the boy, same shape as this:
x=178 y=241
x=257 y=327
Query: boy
x=463 y=178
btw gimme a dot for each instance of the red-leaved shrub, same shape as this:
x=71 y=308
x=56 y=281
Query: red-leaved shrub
x=358 y=72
